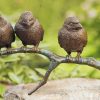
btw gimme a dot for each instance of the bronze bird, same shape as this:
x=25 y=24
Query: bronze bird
x=7 y=35
x=29 y=30
x=72 y=37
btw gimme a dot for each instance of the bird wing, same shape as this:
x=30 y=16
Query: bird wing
x=37 y=28
x=62 y=37
x=42 y=33
x=1 y=32
x=59 y=39
x=10 y=29
x=18 y=28
x=13 y=36
x=13 y=33
x=85 y=37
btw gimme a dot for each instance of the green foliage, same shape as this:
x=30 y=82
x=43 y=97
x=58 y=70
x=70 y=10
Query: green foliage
x=2 y=90
x=25 y=68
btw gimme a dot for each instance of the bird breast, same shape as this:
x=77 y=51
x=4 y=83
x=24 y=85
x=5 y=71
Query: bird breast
x=72 y=40
x=6 y=33
x=30 y=35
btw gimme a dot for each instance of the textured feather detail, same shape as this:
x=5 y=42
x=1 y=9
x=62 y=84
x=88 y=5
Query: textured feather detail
x=72 y=40
x=31 y=35
x=7 y=35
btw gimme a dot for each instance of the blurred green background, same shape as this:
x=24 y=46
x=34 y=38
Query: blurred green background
x=26 y=68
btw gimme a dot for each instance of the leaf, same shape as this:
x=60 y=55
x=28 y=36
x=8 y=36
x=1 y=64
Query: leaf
x=2 y=90
x=14 y=77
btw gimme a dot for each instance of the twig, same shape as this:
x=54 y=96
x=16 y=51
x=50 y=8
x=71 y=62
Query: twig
x=55 y=60
x=53 y=65
x=38 y=73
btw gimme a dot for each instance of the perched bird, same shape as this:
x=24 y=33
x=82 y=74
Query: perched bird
x=72 y=37
x=29 y=30
x=7 y=35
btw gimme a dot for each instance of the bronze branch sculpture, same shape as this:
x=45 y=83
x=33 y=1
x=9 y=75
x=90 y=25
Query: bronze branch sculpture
x=55 y=60
x=71 y=37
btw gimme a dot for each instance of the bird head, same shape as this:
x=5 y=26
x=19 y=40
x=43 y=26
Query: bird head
x=27 y=19
x=72 y=23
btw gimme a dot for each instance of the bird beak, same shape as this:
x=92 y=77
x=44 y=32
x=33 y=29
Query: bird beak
x=80 y=25
x=28 y=24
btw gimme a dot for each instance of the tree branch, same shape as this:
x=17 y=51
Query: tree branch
x=53 y=65
x=86 y=61
x=55 y=60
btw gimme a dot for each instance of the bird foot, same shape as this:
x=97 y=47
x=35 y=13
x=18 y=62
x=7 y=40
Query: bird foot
x=78 y=57
x=68 y=58
x=36 y=49
x=9 y=48
x=23 y=47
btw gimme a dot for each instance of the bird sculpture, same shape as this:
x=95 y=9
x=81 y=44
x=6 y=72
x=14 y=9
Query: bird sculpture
x=72 y=37
x=7 y=35
x=29 y=30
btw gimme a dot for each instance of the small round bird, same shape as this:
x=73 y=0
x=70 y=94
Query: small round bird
x=72 y=37
x=29 y=30
x=7 y=35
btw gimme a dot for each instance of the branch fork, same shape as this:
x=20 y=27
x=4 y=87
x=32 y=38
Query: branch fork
x=55 y=60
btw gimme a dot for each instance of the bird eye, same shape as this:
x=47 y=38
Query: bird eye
x=23 y=21
x=70 y=23
x=31 y=19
